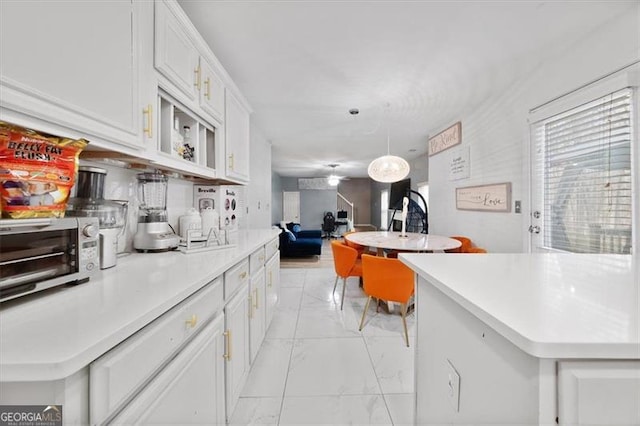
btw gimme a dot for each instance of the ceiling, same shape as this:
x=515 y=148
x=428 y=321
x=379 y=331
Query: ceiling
x=411 y=68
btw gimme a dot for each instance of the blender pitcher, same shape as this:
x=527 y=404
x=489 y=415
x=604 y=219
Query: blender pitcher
x=154 y=233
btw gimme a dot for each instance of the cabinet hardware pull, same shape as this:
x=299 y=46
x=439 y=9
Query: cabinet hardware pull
x=256 y=299
x=207 y=92
x=243 y=275
x=231 y=162
x=227 y=344
x=270 y=279
x=191 y=322
x=148 y=111
x=197 y=82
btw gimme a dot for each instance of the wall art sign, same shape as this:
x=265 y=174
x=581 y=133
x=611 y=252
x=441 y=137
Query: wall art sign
x=459 y=163
x=491 y=198
x=446 y=139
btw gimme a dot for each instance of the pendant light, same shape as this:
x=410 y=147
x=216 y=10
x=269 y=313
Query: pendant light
x=333 y=180
x=388 y=168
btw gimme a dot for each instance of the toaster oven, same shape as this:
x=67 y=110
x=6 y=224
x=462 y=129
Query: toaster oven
x=36 y=254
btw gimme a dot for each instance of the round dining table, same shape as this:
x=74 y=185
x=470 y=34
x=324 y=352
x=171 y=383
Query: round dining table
x=395 y=241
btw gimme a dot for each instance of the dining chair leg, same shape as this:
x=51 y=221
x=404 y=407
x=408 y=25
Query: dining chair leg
x=403 y=309
x=335 y=285
x=344 y=286
x=364 y=313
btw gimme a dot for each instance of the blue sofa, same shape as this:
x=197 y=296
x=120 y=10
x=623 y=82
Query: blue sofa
x=303 y=243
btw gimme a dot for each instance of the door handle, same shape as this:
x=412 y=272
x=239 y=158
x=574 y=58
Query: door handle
x=227 y=338
x=534 y=229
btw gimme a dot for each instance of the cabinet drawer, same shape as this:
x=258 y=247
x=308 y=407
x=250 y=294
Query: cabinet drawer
x=271 y=248
x=117 y=375
x=256 y=260
x=235 y=277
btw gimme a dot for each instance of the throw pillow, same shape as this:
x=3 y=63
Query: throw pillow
x=291 y=236
x=296 y=228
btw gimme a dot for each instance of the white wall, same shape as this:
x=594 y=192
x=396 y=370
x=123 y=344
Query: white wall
x=258 y=192
x=498 y=133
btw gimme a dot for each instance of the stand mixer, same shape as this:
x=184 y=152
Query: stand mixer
x=154 y=233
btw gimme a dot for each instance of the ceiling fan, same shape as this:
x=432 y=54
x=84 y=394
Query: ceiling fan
x=334 y=179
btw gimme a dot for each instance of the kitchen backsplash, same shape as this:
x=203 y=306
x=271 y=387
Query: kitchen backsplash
x=121 y=184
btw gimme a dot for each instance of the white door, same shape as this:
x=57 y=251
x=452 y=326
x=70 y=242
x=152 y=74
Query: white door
x=581 y=177
x=189 y=390
x=257 y=313
x=272 y=269
x=291 y=206
x=212 y=91
x=237 y=138
x=237 y=349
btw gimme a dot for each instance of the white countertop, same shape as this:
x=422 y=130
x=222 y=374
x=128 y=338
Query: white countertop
x=549 y=305
x=54 y=334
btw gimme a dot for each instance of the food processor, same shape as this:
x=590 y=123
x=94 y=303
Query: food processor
x=154 y=233
x=112 y=214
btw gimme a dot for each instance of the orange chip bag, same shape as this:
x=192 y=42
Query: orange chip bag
x=37 y=172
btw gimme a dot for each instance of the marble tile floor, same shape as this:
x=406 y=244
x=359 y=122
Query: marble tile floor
x=316 y=368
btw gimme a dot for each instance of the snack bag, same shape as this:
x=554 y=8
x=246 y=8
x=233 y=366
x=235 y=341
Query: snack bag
x=37 y=172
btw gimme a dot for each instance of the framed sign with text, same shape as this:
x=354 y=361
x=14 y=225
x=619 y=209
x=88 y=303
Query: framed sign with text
x=491 y=198
x=446 y=139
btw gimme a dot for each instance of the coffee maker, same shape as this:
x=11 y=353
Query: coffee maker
x=112 y=214
x=154 y=233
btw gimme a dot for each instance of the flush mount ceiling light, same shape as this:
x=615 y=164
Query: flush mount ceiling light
x=388 y=168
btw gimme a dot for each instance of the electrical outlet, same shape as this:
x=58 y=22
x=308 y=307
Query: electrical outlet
x=453 y=387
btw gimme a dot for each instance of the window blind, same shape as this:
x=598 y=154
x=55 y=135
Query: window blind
x=583 y=168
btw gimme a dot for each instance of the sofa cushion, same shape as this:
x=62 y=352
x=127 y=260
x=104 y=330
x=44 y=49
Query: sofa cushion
x=291 y=235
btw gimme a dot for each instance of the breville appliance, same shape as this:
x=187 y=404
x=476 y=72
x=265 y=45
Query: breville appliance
x=154 y=233
x=112 y=214
x=41 y=253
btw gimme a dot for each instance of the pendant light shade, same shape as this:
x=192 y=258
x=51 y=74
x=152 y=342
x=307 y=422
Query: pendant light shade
x=388 y=169
x=333 y=180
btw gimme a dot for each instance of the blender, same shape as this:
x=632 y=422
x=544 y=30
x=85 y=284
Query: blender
x=154 y=232
x=112 y=214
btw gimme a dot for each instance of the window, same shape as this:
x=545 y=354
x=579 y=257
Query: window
x=384 y=209
x=582 y=177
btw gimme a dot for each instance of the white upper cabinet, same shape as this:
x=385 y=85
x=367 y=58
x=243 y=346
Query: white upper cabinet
x=74 y=64
x=211 y=91
x=236 y=138
x=192 y=78
x=176 y=57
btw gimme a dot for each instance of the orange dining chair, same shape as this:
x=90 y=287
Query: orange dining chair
x=476 y=250
x=360 y=249
x=346 y=263
x=466 y=245
x=390 y=280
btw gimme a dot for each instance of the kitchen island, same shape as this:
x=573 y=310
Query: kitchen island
x=146 y=310
x=527 y=339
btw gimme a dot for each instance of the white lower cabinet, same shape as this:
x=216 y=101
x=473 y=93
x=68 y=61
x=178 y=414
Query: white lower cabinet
x=599 y=393
x=257 y=317
x=236 y=314
x=189 y=390
x=272 y=287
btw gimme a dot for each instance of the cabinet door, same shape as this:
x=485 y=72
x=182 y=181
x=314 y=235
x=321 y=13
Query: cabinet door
x=175 y=55
x=272 y=277
x=237 y=138
x=237 y=348
x=212 y=91
x=599 y=392
x=76 y=65
x=257 y=310
x=189 y=390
